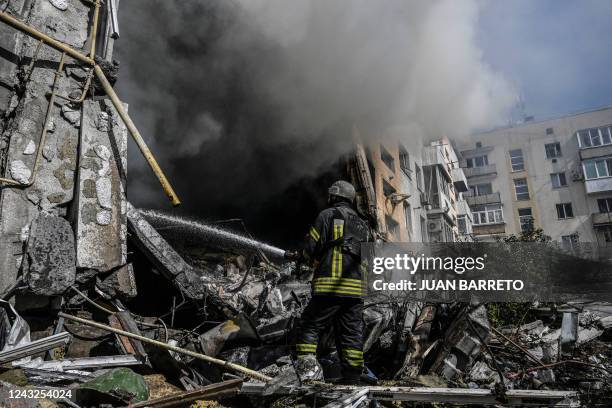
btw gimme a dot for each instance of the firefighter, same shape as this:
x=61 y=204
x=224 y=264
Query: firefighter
x=333 y=248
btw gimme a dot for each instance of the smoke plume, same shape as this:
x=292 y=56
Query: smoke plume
x=245 y=102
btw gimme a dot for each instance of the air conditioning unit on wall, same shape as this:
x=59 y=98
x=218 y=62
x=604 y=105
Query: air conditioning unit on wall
x=434 y=225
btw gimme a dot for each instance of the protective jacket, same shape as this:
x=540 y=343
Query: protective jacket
x=333 y=245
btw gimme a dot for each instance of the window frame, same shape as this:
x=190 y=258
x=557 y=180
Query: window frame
x=513 y=158
x=524 y=217
x=471 y=162
x=602 y=134
x=607 y=203
x=597 y=165
x=558 y=178
x=491 y=214
x=557 y=150
x=387 y=158
x=563 y=208
x=521 y=196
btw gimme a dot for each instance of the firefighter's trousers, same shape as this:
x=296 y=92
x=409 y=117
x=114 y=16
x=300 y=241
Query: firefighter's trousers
x=346 y=315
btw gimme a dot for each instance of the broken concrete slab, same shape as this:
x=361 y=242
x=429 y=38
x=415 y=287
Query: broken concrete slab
x=163 y=256
x=100 y=204
x=50 y=255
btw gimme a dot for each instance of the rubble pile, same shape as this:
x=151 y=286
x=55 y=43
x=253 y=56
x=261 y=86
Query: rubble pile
x=229 y=317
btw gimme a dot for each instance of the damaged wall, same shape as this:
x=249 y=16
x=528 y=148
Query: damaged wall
x=80 y=176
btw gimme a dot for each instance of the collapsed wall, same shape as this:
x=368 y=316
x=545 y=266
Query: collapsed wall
x=62 y=151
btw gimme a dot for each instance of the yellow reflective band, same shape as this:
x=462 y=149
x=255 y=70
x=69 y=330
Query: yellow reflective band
x=318 y=289
x=337 y=252
x=353 y=353
x=314 y=234
x=306 y=348
x=327 y=278
x=339 y=282
x=355 y=363
x=333 y=288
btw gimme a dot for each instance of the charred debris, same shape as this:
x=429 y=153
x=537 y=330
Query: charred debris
x=99 y=298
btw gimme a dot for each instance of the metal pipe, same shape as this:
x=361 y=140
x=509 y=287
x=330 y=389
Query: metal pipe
x=94 y=30
x=235 y=367
x=13 y=22
x=43 y=136
x=137 y=136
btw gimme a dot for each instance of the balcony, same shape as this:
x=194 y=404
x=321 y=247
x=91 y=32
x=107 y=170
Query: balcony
x=595 y=151
x=434 y=156
x=492 y=198
x=601 y=219
x=459 y=179
x=489 y=169
x=489 y=229
x=598 y=185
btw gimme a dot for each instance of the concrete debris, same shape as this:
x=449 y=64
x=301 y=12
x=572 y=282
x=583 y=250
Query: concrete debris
x=30 y=148
x=59 y=4
x=20 y=171
x=50 y=256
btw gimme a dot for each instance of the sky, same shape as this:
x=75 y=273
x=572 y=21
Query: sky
x=557 y=52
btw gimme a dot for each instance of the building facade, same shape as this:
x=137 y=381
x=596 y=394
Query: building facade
x=418 y=191
x=554 y=174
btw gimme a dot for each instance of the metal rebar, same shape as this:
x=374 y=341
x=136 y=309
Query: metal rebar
x=234 y=367
x=27 y=29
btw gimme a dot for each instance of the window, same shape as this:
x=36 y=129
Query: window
x=605 y=205
x=516 y=160
x=569 y=241
x=558 y=180
x=404 y=160
x=462 y=224
x=553 y=150
x=521 y=189
x=387 y=158
x=487 y=214
x=564 y=210
x=392 y=226
x=597 y=168
x=387 y=188
x=594 y=137
x=550 y=131
x=525 y=219
x=481 y=189
x=478 y=161
x=478 y=145
x=419 y=176
x=408 y=216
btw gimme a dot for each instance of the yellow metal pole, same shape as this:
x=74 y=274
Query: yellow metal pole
x=25 y=28
x=235 y=367
x=136 y=136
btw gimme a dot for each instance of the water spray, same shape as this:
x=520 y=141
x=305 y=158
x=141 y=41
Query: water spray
x=211 y=233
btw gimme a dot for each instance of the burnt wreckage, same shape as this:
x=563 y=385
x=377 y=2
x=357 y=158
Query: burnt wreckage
x=96 y=301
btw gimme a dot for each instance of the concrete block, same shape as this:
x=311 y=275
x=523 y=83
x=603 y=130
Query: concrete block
x=50 y=256
x=99 y=209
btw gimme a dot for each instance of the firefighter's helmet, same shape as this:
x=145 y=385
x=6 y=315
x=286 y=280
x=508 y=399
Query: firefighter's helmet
x=342 y=189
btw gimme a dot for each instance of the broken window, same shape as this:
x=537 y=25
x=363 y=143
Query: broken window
x=525 y=219
x=558 y=179
x=478 y=161
x=387 y=158
x=404 y=159
x=564 y=210
x=553 y=150
x=605 y=205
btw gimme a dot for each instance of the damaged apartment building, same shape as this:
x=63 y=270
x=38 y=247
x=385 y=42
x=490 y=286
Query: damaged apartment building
x=415 y=188
x=93 y=293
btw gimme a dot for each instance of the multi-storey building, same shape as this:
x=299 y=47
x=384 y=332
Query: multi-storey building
x=417 y=191
x=553 y=174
